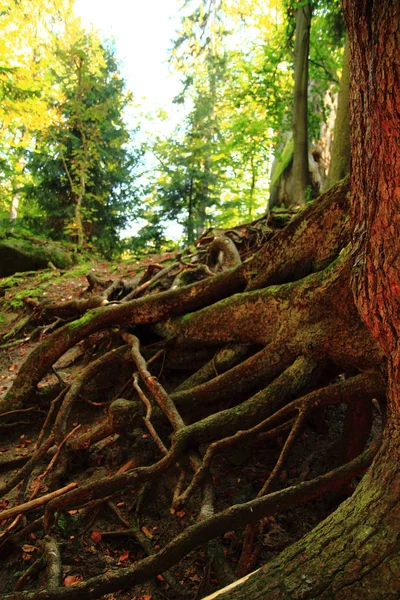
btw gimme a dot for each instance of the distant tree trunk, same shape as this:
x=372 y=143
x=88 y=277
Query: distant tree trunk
x=190 y=233
x=299 y=123
x=15 y=200
x=340 y=161
x=355 y=553
x=252 y=188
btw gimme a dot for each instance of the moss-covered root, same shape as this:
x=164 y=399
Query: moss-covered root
x=311 y=241
x=149 y=309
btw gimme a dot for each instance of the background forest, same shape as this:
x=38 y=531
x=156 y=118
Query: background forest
x=260 y=80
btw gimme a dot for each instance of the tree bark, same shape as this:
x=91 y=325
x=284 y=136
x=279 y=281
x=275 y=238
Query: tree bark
x=300 y=130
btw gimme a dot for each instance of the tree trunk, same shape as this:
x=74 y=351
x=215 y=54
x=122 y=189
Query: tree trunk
x=340 y=160
x=355 y=552
x=299 y=124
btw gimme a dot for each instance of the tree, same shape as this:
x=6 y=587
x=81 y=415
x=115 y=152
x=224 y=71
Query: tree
x=294 y=299
x=339 y=166
x=321 y=565
x=300 y=104
x=82 y=165
x=28 y=42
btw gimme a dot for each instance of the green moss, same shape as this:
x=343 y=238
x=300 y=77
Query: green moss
x=86 y=318
x=283 y=162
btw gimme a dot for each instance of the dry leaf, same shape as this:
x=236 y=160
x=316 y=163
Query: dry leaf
x=147 y=532
x=96 y=536
x=29 y=548
x=124 y=556
x=181 y=513
x=71 y=580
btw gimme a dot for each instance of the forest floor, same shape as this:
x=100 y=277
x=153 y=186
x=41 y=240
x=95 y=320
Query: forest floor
x=124 y=528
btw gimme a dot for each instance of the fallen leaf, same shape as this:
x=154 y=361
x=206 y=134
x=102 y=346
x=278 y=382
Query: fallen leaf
x=12 y=367
x=181 y=513
x=124 y=556
x=28 y=548
x=147 y=532
x=160 y=577
x=96 y=536
x=71 y=580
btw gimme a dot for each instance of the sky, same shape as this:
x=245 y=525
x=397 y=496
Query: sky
x=143 y=30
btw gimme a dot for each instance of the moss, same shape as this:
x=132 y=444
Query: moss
x=86 y=318
x=283 y=162
x=20 y=255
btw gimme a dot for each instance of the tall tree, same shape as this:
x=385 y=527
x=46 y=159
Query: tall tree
x=339 y=165
x=82 y=165
x=30 y=31
x=300 y=105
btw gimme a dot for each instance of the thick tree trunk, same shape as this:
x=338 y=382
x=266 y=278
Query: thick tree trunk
x=340 y=161
x=355 y=552
x=299 y=125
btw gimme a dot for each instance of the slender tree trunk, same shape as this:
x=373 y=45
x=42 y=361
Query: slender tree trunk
x=355 y=553
x=78 y=210
x=299 y=124
x=190 y=222
x=14 y=206
x=252 y=188
x=340 y=160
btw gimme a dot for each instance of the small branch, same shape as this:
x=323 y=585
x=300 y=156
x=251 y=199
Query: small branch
x=34 y=504
x=31 y=573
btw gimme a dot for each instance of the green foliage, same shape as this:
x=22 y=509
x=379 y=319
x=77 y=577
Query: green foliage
x=82 y=167
x=66 y=156
x=215 y=168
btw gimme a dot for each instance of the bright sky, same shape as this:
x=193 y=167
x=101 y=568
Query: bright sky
x=143 y=30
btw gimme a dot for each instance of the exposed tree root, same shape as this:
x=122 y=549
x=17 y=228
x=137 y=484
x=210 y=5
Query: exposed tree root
x=235 y=516
x=240 y=358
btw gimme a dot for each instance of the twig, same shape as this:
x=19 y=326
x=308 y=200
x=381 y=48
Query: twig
x=147 y=419
x=33 y=504
x=31 y=573
x=20 y=410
